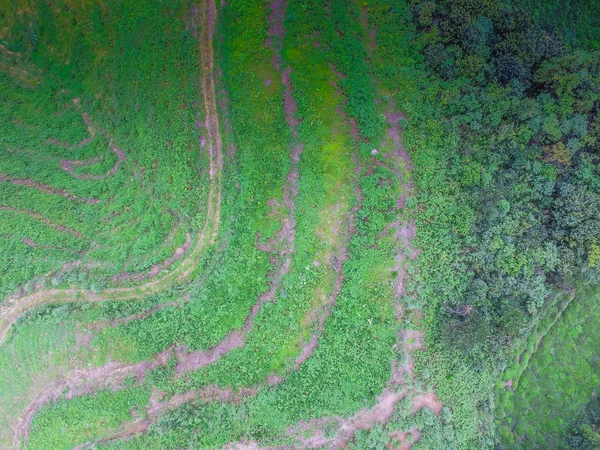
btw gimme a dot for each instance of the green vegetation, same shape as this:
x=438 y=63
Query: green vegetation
x=576 y=20
x=84 y=418
x=560 y=379
x=144 y=210
x=345 y=224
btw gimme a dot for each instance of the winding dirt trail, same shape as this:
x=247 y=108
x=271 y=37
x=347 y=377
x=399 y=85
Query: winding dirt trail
x=282 y=245
x=408 y=340
x=156 y=268
x=342 y=255
x=85 y=381
x=312 y=434
x=11 y=309
x=400 y=383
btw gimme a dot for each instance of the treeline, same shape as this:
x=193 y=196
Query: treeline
x=577 y=20
x=582 y=433
x=524 y=111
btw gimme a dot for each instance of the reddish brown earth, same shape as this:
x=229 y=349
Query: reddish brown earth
x=427 y=400
x=405 y=230
x=400 y=154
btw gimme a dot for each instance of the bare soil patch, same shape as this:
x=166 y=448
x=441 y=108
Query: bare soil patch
x=427 y=400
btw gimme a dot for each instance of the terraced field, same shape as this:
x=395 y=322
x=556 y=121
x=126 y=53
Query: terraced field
x=282 y=224
x=210 y=247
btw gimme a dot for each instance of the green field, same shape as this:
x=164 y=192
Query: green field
x=298 y=224
x=558 y=382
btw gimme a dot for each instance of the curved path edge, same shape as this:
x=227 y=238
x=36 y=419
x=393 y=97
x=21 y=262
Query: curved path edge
x=11 y=309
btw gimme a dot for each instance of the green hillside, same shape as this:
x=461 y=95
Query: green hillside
x=286 y=224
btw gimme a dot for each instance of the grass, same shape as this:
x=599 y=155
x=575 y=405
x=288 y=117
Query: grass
x=137 y=74
x=37 y=355
x=326 y=177
x=119 y=234
x=68 y=423
x=559 y=380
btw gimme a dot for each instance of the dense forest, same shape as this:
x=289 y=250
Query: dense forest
x=299 y=224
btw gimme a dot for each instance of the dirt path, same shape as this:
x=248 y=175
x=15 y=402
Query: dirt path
x=158 y=407
x=282 y=244
x=12 y=308
x=86 y=381
x=342 y=255
x=82 y=381
x=310 y=346
x=156 y=268
x=409 y=341
x=70 y=165
x=47 y=189
x=404 y=230
x=283 y=247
